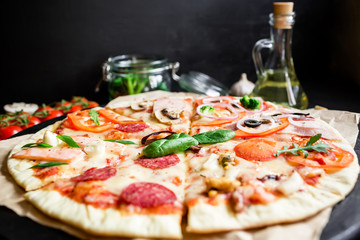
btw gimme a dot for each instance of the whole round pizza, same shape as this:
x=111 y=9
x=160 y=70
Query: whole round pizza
x=138 y=166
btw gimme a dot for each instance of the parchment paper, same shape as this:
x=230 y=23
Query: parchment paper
x=310 y=228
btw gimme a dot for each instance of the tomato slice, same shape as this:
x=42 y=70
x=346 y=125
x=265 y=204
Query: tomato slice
x=268 y=106
x=92 y=104
x=242 y=134
x=82 y=121
x=69 y=124
x=335 y=158
x=257 y=149
x=116 y=118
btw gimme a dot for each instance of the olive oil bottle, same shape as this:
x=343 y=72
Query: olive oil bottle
x=277 y=80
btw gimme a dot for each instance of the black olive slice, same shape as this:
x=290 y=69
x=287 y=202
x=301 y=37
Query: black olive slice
x=252 y=123
x=301 y=114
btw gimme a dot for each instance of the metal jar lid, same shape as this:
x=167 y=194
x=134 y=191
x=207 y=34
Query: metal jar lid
x=137 y=63
x=201 y=83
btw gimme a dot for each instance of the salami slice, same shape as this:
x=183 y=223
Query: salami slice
x=159 y=162
x=96 y=174
x=147 y=195
x=132 y=127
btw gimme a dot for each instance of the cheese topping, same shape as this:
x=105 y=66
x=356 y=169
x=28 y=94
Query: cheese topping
x=291 y=185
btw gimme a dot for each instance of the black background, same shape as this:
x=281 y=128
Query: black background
x=54 y=49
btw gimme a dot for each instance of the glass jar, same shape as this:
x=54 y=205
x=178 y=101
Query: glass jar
x=133 y=74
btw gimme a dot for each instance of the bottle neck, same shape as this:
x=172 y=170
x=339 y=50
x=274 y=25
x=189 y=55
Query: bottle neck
x=282 y=45
x=281 y=36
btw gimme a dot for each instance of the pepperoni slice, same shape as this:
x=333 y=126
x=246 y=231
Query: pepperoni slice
x=132 y=127
x=96 y=174
x=159 y=162
x=147 y=195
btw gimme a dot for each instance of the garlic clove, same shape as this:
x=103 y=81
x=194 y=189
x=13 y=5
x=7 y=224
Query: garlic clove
x=242 y=87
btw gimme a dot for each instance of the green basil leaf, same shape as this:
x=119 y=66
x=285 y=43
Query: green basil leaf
x=94 y=115
x=120 y=141
x=68 y=140
x=165 y=147
x=178 y=135
x=215 y=136
x=30 y=145
x=48 y=164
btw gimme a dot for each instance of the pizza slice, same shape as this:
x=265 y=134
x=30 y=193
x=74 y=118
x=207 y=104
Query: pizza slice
x=112 y=187
x=246 y=182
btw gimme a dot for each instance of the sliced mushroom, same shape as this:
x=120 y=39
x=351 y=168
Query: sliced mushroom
x=169 y=116
x=142 y=105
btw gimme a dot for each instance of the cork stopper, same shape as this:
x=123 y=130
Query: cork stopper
x=283 y=8
x=281 y=12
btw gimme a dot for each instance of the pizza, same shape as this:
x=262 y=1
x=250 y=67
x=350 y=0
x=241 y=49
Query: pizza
x=147 y=165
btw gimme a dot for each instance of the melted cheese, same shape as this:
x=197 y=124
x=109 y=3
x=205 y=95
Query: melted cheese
x=50 y=138
x=291 y=185
x=95 y=149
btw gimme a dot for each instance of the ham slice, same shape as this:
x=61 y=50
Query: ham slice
x=172 y=103
x=310 y=131
x=67 y=155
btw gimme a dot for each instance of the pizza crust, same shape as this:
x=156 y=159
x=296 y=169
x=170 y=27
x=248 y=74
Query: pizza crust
x=332 y=188
x=20 y=168
x=105 y=222
x=207 y=218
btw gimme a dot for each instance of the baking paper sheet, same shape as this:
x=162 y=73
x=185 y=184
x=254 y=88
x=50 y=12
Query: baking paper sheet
x=11 y=195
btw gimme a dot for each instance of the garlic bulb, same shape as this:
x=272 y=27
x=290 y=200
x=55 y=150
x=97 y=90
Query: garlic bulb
x=242 y=87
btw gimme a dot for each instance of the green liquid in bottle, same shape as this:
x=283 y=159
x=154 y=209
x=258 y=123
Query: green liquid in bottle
x=281 y=87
